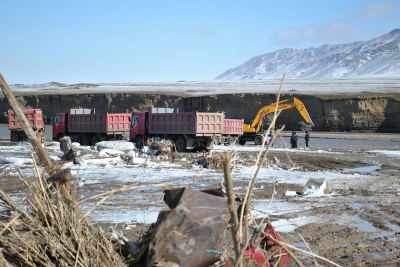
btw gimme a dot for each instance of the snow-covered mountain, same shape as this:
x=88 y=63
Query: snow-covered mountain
x=379 y=57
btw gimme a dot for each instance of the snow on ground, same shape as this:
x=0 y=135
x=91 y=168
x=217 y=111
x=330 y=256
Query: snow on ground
x=298 y=86
x=387 y=153
x=105 y=170
x=257 y=148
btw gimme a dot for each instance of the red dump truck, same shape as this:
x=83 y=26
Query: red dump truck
x=85 y=126
x=188 y=130
x=36 y=121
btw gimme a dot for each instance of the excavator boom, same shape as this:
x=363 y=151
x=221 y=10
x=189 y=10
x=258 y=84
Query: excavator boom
x=284 y=104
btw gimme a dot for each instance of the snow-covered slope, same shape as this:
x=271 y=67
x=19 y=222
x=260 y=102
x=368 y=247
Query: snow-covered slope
x=379 y=57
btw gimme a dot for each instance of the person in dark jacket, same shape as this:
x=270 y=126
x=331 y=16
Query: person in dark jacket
x=291 y=140
x=307 y=138
x=295 y=138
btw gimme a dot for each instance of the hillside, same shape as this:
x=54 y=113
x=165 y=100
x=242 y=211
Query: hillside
x=379 y=57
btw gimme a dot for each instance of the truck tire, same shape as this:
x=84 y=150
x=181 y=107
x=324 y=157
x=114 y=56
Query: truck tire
x=180 y=144
x=85 y=140
x=94 y=140
x=231 y=140
x=258 y=140
x=241 y=142
x=139 y=142
x=13 y=137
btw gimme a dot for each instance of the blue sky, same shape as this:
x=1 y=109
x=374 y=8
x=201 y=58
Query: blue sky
x=169 y=41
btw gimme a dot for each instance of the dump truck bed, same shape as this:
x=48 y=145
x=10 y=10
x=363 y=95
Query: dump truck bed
x=34 y=116
x=196 y=123
x=97 y=123
x=233 y=127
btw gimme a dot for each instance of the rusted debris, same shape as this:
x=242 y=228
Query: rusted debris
x=191 y=232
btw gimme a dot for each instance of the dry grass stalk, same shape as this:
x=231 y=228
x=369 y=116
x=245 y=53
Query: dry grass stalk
x=247 y=200
x=288 y=246
x=245 y=211
x=51 y=233
x=231 y=203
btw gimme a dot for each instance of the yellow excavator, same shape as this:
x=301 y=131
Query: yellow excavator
x=251 y=131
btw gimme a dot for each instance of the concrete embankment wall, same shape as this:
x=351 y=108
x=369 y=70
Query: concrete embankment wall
x=380 y=114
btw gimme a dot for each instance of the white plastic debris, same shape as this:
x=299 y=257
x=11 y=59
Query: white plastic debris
x=110 y=152
x=148 y=150
x=136 y=161
x=317 y=187
x=290 y=193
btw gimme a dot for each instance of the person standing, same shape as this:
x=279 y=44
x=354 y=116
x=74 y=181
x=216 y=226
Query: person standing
x=295 y=138
x=307 y=138
x=291 y=140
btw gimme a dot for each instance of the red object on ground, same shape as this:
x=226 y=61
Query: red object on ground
x=255 y=257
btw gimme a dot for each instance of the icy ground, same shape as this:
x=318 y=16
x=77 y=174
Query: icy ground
x=357 y=221
x=102 y=168
x=188 y=88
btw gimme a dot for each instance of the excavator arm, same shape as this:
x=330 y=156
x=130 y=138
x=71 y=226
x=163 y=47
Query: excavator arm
x=284 y=104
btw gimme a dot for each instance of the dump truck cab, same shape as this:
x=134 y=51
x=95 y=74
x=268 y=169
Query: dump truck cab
x=59 y=125
x=138 y=129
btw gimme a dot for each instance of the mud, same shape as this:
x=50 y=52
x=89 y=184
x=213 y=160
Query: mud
x=358 y=224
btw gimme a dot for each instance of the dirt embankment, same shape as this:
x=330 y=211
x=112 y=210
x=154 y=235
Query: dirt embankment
x=328 y=114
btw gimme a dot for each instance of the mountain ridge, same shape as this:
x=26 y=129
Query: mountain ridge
x=378 y=57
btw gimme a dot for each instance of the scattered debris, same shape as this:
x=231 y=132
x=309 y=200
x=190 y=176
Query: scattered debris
x=137 y=161
x=317 y=187
x=65 y=144
x=123 y=245
x=263 y=251
x=191 y=231
x=161 y=147
x=148 y=150
x=212 y=161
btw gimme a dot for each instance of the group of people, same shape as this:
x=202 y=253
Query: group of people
x=294 y=138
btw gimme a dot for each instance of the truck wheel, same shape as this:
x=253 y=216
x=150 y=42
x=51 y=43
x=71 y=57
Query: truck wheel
x=258 y=140
x=13 y=137
x=95 y=139
x=180 y=144
x=241 y=142
x=85 y=141
x=139 y=142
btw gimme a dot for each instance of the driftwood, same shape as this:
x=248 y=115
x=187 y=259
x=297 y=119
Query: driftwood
x=40 y=151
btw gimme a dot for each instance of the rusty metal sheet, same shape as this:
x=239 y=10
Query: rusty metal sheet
x=191 y=232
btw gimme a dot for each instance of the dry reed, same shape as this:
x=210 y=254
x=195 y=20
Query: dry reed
x=50 y=233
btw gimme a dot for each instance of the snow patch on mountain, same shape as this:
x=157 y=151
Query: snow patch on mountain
x=378 y=57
